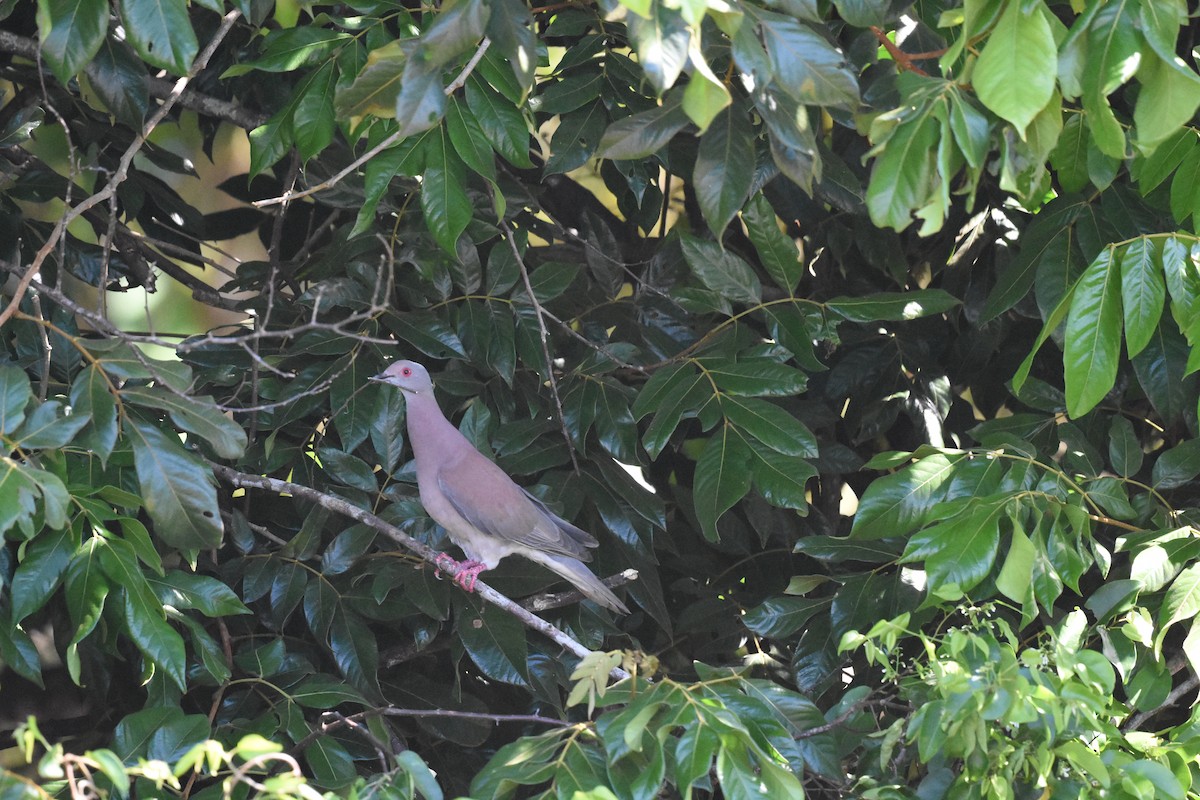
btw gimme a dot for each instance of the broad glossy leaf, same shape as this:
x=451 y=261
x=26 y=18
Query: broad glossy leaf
x=20 y=487
x=722 y=478
x=356 y=651
x=670 y=394
x=427 y=332
x=771 y=425
x=898 y=504
x=902 y=175
x=444 y=198
x=705 y=94
x=644 y=134
x=40 y=571
x=1015 y=73
x=161 y=32
x=331 y=765
x=836 y=549
x=496 y=643
x=197 y=415
x=759 y=377
x=15 y=394
x=186 y=591
x=457 y=28
x=178 y=489
x=781 y=479
x=1182 y=600
x=961 y=549
x=289 y=49
x=1143 y=292
x=422 y=99
x=781 y=617
x=313 y=120
x=1161 y=371
x=119 y=79
x=721 y=270
x=376 y=87
x=144 y=618
x=1124 y=450
x=70 y=33
x=777 y=252
x=804 y=63
x=46 y=429
x=661 y=41
x=724 y=171
x=1169 y=97
x=893 y=305
x=577 y=137
x=1177 y=466
x=503 y=124
x=468 y=139
x=1093 y=335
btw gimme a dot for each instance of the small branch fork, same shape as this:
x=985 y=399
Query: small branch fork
x=427 y=554
x=122 y=171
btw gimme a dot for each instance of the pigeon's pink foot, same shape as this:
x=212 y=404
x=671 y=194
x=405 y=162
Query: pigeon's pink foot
x=468 y=573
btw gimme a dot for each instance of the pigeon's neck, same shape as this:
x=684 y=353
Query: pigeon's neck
x=428 y=429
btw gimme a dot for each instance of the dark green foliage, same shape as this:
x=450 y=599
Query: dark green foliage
x=922 y=495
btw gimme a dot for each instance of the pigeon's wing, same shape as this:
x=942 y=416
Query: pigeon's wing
x=491 y=502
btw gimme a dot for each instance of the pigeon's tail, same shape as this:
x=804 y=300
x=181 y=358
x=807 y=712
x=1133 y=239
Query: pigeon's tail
x=582 y=579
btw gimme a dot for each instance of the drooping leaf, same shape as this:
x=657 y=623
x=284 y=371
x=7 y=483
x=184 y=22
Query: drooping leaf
x=177 y=488
x=1093 y=335
x=724 y=171
x=70 y=33
x=722 y=478
x=1015 y=73
x=161 y=32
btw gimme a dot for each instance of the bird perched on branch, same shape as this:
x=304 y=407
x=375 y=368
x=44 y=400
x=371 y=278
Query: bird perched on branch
x=484 y=511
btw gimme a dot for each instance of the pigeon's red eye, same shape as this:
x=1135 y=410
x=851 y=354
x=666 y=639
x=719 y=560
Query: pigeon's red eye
x=406 y=372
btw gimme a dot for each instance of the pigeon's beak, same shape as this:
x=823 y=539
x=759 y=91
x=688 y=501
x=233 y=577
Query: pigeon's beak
x=377 y=378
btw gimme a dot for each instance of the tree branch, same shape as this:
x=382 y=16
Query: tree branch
x=247 y=481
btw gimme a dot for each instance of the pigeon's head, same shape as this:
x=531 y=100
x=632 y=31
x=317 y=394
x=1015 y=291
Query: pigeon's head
x=407 y=375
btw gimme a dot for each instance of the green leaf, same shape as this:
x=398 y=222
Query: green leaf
x=1169 y=97
x=444 y=198
x=90 y=397
x=70 y=33
x=178 y=489
x=197 y=415
x=457 y=28
x=331 y=765
x=290 y=49
x=495 y=641
x=422 y=98
x=705 y=95
x=722 y=478
x=892 y=305
x=644 y=134
x=961 y=549
x=144 y=618
x=427 y=332
x=161 y=32
x=313 y=120
x=46 y=430
x=1015 y=580
x=1177 y=466
x=15 y=394
x=503 y=124
x=187 y=591
x=1143 y=292
x=897 y=504
x=720 y=270
x=40 y=571
x=468 y=139
x=577 y=137
x=724 y=171
x=781 y=479
x=781 y=617
x=670 y=394
x=778 y=253
x=1124 y=449
x=1182 y=600
x=20 y=487
x=661 y=41
x=376 y=87
x=836 y=549
x=757 y=377
x=903 y=173
x=804 y=64
x=1093 y=335
x=771 y=425
x=1015 y=73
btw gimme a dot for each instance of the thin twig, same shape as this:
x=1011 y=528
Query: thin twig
x=122 y=170
x=545 y=339
x=379 y=148
x=246 y=481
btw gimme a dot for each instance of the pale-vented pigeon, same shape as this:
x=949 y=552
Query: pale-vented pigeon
x=485 y=513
